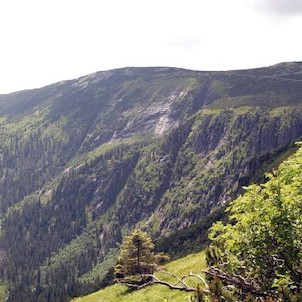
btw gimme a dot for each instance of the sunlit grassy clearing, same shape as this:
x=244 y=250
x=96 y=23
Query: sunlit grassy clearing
x=119 y=293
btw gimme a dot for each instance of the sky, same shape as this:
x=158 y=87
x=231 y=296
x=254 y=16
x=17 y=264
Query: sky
x=46 y=41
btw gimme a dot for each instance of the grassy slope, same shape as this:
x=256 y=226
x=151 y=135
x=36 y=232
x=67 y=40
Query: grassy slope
x=119 y=293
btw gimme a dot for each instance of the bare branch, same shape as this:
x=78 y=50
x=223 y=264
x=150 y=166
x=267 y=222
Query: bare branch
x=246 y=284
x=176 y=277
x=156 y=280
x=181 y=280
x=198 y=277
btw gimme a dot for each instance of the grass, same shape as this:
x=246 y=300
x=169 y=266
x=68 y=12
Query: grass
x=119 y=293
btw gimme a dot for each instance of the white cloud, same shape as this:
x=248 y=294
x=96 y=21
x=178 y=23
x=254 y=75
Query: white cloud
x=282 y=8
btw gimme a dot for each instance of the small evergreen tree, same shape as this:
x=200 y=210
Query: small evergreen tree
x=137 y=261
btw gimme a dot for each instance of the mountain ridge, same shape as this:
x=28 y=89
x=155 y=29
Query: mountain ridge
x=277 y=65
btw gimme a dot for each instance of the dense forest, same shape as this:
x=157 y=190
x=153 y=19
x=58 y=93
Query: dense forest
x=84 y=162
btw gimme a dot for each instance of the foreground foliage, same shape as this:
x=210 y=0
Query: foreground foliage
x=262 y=241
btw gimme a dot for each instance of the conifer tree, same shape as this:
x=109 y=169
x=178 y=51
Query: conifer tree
x=137 y=259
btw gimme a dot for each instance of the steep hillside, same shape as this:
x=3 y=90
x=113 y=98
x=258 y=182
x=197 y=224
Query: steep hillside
x=84 y=161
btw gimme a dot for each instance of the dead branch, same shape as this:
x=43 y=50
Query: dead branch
x=198 y=277
x=246 y=284
x=156 y=280
x=181 y=281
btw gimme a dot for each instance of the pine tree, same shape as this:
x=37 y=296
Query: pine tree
x=136 y=260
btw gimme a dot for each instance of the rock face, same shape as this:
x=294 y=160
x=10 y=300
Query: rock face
x=84 y=161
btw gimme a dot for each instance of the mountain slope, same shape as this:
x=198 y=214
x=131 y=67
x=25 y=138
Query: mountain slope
x=84 y=161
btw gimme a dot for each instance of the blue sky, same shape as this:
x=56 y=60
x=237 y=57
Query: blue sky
x=45 y=41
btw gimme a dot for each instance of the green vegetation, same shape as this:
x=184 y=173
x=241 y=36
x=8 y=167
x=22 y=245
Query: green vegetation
x=262 y=240
x=192 y=263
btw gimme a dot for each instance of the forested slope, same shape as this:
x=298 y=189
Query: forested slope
x=82 y=162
